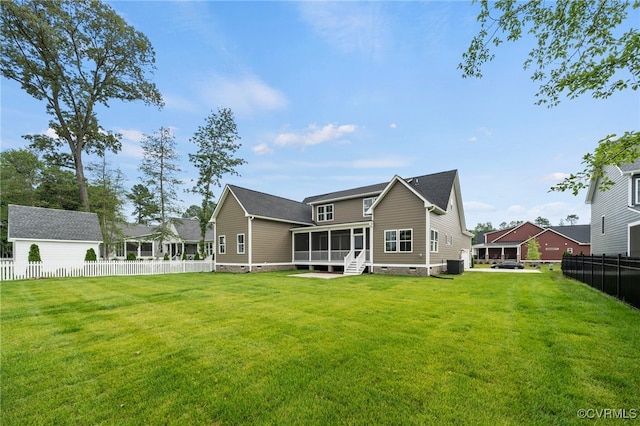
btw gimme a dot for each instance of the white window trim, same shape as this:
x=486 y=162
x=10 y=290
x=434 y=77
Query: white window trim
x=637 y=193
x=241 y=244
x=222 y=244
x=324 y=213
x=397 y=240
x=364 y=206
x=431 y=241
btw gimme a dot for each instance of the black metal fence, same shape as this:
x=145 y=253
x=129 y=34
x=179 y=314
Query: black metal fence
x=617 y=276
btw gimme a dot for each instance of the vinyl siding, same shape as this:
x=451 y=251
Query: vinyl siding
x=449 y=225
x=344 y=211
x=230 y=222
x=271 y=241
x=400 y=209
x=54 y=254
x=611 y=204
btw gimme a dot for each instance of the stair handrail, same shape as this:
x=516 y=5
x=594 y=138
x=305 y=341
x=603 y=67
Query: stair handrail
x=360 y=260
x=348 y=259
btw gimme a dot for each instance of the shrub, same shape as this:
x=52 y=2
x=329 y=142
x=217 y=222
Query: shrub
x=184 y=256
x=90 y=256
x=166 y=256
x=197 y=256
x=131 y=256
x=34 y=253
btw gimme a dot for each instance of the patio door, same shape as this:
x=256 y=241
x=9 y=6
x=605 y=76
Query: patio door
x=358 y=241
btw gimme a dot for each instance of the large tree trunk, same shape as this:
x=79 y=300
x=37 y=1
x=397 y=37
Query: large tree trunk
x=82 y=182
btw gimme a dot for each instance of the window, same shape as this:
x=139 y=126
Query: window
x=366 y=204
x=208 y=249
x=602 y=225
x=448 y=240
x=240 y=243
x=637 y=200
x=222 y=244
x=433 y=242
x=325 y=213
x=398 y=241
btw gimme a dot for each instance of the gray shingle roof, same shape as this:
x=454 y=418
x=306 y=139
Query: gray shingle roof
x=39 y=223
x=354 y=192
x=631 y=167
x=435 y=187
x=189 y=230
x=580 y=233
x=271 y=206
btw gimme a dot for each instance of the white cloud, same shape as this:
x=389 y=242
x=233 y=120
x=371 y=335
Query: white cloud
x=132 y=135
x=555 y=177
x=478 y=206
x=314 y=135
x=349 y=26
x=472 y=139
x=245 y=95
x=51 y=133
x=393 y=125
x=262 y=149
x=516 y=209
x=480 y=133
x=388 y=162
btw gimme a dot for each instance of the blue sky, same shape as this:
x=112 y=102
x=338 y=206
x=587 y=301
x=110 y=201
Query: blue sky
x=329 y=96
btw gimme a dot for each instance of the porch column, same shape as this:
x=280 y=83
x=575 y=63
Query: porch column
x=330 y=267
x=310 y=246
x=501 y=253
x=138 y=251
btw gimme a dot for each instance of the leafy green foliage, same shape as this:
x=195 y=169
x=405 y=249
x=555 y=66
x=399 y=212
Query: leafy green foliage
x=542 y=222
x=217 y=143
x=582 y=47
x=90 y=256
x=533 y=249
x=145 y=208
x=34 y=253
x=75 y=55
x=131 y=256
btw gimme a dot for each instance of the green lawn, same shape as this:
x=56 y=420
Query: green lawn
x=267 y=348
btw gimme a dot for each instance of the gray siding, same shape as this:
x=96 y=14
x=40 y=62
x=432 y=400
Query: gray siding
x=611 y=204
x=271 y=241
x=400 y=209
x=449 y=225
x=230 y=222
x=344 y=211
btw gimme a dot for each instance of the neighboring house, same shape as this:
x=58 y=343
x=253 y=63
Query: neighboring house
x=142 y=240
x=408 y=226
x=63 y=236
x=615 y=213
x=512 y=243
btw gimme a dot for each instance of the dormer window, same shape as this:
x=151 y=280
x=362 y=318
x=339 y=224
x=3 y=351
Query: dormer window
x=325 y=213
x=366 y=205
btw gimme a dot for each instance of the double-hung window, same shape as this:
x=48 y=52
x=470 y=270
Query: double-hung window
x=637 y=191
x=325 y=213
x=433 y=241
x=398 y=241
x=240 y=243
x=222 y=244
x=366 y=204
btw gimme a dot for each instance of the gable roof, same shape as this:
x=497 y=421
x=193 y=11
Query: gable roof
x=579 y=233
x=435 y=187
x=629 y=168
x=268 y=206
x=39 y=223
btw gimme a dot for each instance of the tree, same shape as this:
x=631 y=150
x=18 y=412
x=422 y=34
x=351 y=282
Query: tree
x=107 y=199
x=159 y=168
x=75 y=55
x=542 y=222
x=481 y=227
x=58 y=190
x=144 y=206
x=512 y=224
x=582 y=47
x=90 y=256
x=34 y=253
x=217 y=143
x=572 y=219
x=533 y=250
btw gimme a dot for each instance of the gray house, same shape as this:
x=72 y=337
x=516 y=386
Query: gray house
x=615 y=213
x=62 y=236
x=410 y=226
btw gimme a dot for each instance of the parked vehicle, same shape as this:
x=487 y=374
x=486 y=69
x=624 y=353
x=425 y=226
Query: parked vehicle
x=508 y=264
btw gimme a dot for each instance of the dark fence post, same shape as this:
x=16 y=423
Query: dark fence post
x=618 y=276
x=603 y=274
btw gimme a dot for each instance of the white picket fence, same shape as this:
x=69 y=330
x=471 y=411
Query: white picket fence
x=9 y=271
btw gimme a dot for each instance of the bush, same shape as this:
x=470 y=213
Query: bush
x=166 y=256
x=196 y=257
x=34 y=253
x=131 y=256
x=90 y=256
x=184 y=256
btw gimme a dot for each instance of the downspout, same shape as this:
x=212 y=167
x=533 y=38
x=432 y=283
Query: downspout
x=249 y=243
x=428 y=240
